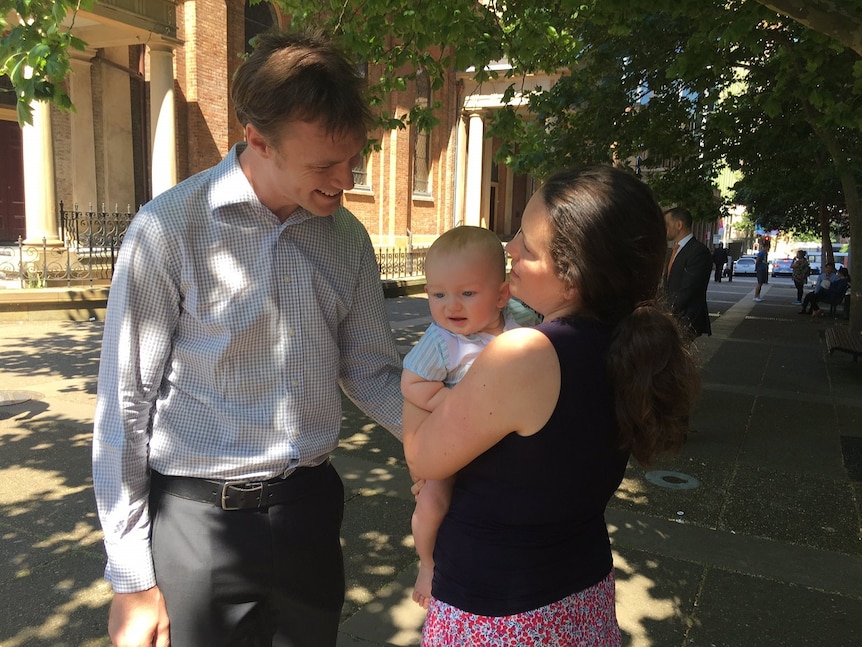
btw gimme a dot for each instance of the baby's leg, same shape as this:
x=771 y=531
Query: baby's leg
x=431 y=506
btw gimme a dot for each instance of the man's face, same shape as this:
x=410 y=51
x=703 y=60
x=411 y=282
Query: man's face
x=306 y=167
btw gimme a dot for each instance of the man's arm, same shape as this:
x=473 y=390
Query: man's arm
x=694 y=278
x=370 y=363
x=142 y=311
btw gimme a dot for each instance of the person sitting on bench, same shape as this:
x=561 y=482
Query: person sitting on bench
x=834 y=294
x=820 y=288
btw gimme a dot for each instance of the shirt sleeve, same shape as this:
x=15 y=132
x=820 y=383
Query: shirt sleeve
x=370 y=363
x=522 y=313
x=143 y=307
x=429 y=357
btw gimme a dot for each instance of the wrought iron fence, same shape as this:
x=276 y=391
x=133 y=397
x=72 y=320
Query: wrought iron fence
x=395 y=262
x=91 y=241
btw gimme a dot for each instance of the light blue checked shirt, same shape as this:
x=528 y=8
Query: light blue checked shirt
x=227 y=336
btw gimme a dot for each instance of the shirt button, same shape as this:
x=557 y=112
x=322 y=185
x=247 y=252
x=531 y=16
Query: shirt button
x=291 y=332
x=286 y=280
x=294 y=383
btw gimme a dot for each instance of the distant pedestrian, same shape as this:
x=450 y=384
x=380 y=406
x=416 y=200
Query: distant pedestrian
x=687 y=275
x=761 y=267
x=719 y=259
x=801 y=269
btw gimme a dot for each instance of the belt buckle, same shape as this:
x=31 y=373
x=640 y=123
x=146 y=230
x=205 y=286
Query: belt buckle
x=244 y=487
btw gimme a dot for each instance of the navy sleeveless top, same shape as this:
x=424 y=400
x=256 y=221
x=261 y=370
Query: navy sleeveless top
x=526 y=524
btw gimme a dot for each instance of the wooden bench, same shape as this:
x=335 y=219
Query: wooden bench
x=840 y=338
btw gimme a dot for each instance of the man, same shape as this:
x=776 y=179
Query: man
x=719 y=258
x=687 y=276
x=821 y=289
x=761 y=269
x=242 y=299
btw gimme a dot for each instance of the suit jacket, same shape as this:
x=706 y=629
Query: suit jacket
x=686 y=283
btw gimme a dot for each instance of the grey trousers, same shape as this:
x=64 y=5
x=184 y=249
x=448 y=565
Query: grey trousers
x=271 y=577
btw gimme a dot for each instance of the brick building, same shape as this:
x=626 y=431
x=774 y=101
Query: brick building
x=152 y=108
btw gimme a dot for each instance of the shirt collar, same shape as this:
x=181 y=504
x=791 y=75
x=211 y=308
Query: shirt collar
x=230 y=187
x=684 y=240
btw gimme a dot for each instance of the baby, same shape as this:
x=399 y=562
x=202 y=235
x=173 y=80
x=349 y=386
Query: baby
x=468 y=295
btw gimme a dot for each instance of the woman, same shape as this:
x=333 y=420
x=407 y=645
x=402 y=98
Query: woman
x=801 y=270
x=539 y=431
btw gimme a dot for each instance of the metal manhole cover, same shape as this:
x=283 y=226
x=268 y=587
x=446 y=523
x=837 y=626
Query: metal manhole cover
x=672 y=480
x=8 y=398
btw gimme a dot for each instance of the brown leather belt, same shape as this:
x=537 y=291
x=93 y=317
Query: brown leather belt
x=236 y=495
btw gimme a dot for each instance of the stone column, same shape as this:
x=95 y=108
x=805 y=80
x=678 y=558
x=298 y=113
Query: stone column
x=162 y=118
x=84 y=190
x=473 y=189
x=39 y=190
x=460 y=172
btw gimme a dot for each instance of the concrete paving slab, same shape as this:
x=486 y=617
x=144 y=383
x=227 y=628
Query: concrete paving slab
x=790 y=435
x=701 y=505
x=773 y=527
x=768 y=503
x=392 y=619
x=655 y=595
x=735 y=611
x=61 y=604
x=729 y=550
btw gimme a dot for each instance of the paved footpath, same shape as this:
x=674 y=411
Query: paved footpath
x=751 y=537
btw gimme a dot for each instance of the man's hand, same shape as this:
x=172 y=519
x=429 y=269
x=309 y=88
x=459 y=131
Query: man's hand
x=139 y=619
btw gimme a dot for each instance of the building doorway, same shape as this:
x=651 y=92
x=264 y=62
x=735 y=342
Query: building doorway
x=13 y=222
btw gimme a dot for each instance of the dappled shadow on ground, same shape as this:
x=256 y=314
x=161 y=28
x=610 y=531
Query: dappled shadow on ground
x=33 y=352
x=51 y=559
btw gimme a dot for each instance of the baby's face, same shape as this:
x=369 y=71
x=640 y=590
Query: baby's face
x=465 y=294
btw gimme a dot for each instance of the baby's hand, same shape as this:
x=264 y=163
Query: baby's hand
x=417 y=487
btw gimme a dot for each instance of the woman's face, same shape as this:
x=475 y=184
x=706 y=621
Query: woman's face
x=534 y=278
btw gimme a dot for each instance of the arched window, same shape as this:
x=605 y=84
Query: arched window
x=259 y=18
x=360 y=171
x=422 y=139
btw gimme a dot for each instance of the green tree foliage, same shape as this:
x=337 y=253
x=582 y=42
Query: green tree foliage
x=771 y=87
x=34 y=50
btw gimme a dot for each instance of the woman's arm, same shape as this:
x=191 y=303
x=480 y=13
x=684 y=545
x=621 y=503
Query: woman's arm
x=513 y=386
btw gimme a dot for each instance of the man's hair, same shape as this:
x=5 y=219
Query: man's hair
x=680 y=214
x=469 y=239
x=300 y=77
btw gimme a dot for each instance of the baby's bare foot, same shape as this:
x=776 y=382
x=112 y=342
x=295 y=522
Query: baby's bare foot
x=422 y=588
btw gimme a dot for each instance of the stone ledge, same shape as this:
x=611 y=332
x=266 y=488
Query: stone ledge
x=53 y=304
x=84 y=304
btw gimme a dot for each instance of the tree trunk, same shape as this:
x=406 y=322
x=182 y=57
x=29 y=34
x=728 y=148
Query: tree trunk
x=826 y=255
x=854 y=260
x=854 y=212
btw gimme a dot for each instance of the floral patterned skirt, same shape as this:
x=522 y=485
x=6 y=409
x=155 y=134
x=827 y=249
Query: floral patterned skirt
x=584 y=619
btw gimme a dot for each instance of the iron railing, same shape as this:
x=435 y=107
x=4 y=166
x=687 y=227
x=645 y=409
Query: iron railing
x=399 y=262
x=91 y=240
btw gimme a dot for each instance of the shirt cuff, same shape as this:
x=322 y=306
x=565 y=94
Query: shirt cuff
x=130 y=567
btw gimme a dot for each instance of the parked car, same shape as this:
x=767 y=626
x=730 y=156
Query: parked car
x=744 y=265
x=781 y=267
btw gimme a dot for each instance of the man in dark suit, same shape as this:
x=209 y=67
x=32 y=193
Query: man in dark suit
x=687 y=276
x=719 y=259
